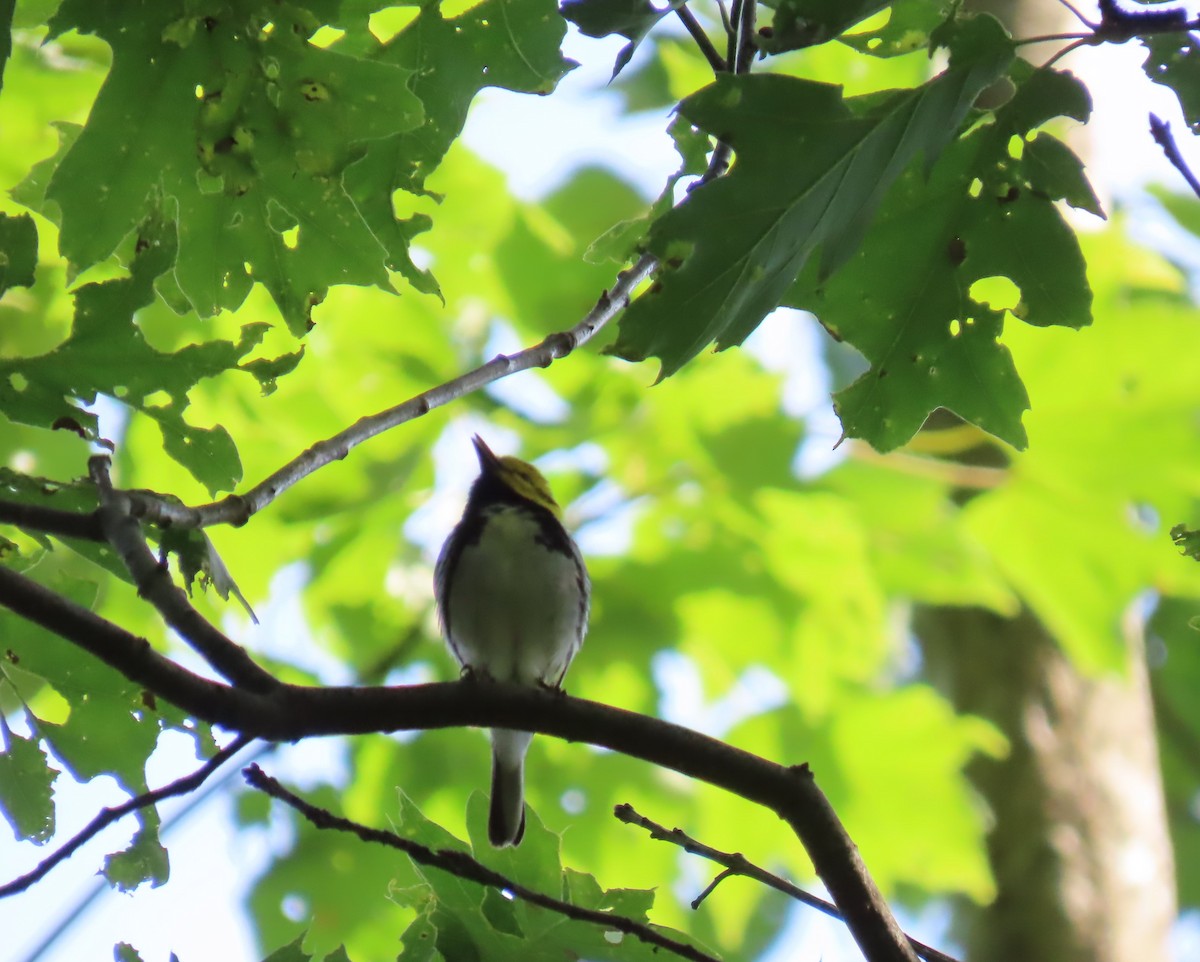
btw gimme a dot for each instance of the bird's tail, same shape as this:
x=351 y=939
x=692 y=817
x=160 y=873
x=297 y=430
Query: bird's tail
x=506 y=818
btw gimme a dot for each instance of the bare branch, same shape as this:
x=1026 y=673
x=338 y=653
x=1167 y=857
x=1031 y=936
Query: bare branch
x=1160 y=130
x=154 y=583
x=237 y=509
x=463 y=866
x=106 y=816
x=65 y=524
x=737 y=864
x=715 y=60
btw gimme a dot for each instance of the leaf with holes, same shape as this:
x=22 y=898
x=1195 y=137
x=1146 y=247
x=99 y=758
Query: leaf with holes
x=811 y=169
x=242 y=130
x=907 y=299
x=106 y=353
x=498 y=43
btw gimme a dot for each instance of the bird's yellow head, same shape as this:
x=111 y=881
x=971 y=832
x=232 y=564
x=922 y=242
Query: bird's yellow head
x=520 y=477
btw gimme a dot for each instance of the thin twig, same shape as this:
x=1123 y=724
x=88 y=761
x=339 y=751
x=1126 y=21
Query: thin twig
x=712 y=886
x=737 y=864
x=463 y=866
x=740 y=49
x=237 y=509
x=1078 y=16
x=1116 y=26
x=107 y=816
x=745 y=48
x=1160 y=130
x=715 y=60
x=153 y=580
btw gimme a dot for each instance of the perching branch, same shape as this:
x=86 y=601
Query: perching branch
x=463 y=866
x=737 y=864
x=106 y=816
x=1160 y=130
x=291 y=712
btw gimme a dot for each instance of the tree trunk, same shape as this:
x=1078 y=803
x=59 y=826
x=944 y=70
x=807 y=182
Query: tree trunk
x=1079 y=848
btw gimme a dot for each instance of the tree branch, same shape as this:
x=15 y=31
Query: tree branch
x=462 y=865
x=65 y=524
x=132 y=656
x=106 y=816
x=154 y=583
x=237 y=509
x=737 y=864
x=290 y=712
x=715 y=60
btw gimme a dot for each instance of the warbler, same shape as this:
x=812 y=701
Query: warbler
x=513 y=596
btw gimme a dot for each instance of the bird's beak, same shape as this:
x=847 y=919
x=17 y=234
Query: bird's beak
x=488 y=461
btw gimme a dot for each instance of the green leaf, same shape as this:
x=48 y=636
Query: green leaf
x=244 y=130
x=18 y=251
x=909 y=26
x=632 y=19
x=1173 y=60
x=806 y=23
x=1187 y=540
x=108 y=354
x=7 y=7
x=124 y=952
x=907 y=299
x=811 y=168
x=144 y=861
x=26 y=784
x=498 y=43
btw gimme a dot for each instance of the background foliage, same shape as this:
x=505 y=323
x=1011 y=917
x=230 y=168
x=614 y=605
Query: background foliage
x=253 y=223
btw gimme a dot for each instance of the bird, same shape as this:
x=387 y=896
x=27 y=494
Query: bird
x=513 y=597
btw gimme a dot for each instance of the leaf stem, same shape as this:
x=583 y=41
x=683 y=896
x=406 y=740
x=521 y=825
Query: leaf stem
x=715 y=60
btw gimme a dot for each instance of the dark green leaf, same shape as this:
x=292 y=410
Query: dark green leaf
x=498 y=43
x=6 y=17
x=632 y=19
x=144 y=861
x=107 y=354
x=26 y=783
x=1173 y=60
x=906 y=299
x=806 y=23
x=244 y=130
x=18 y=250
x=1187 y=540
x=811 y=168
x=909 y=27
x=124 y=952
